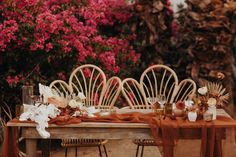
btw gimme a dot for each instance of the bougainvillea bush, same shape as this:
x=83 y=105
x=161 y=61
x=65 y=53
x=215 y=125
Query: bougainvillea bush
x=43 y=40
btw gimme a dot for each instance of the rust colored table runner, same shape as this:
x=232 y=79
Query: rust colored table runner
x=170 y=130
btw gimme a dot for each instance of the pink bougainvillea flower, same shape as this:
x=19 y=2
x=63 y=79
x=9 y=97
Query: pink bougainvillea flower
x=67 y=30
x=174 y=28
x=49 y=46
x=13 y=80
x=7 y=33
x=87 y=72
x=61 y=75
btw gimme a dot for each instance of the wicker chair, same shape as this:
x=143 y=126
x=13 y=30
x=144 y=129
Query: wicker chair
x=134 y=95
x=75 y=143
x=155 y=80
x=186 y=90
x=136 y=99
x=91 y=81
x=159 y=80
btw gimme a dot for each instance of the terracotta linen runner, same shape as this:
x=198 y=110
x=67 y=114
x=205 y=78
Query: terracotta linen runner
x=11 y=139
x=211 y=133
x=134 y=117
x=10 y=147
x=170 y=130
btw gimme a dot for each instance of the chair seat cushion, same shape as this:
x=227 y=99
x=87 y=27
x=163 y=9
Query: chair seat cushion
x=147 y=142
x=82 y=142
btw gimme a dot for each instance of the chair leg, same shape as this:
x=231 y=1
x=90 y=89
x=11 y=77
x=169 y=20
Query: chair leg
x=142 y=151
x=76 y=151
x=66 y=152
x=137 y=150
x=100 y=152
x=105 y=150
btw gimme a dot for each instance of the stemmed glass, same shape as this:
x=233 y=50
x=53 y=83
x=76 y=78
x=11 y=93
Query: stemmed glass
x=152 y=100
x=157 y=104
x=161 y=100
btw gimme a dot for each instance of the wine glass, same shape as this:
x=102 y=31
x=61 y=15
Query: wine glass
x=155 y=106
x=152 y=100
x=161 y=100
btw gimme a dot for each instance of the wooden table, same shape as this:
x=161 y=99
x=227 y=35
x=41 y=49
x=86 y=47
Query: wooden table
x=83 y=130
x=96 y=130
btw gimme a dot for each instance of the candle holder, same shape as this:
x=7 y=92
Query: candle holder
x=208 y=116
x=168 y=108
x=27 y=93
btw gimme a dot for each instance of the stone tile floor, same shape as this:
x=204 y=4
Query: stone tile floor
x=115 y=148
x=125 y=148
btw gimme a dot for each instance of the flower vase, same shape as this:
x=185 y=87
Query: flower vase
x=192 y=116
x=212 y=109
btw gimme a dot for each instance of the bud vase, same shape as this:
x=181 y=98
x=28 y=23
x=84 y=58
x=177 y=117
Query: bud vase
x=212 y=109
x=192 y=116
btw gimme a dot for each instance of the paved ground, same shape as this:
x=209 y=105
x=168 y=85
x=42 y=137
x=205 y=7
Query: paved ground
x=115 y=148
x=125 y=148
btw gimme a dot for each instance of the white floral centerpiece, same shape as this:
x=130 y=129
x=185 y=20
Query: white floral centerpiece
x=73 y=105
x=54 y=104
x=212 y=94
x=41 y=114
x=210 y=97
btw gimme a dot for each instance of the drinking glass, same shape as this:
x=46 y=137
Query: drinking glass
x=27 y=92
x=156 y=106
x=152 y=100
x=161 y=100
x=168 y=109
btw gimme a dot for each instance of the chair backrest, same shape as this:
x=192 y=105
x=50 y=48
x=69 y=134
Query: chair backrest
x=133 y=94
x=90 y=80
x=186 y=90
x=159 y=80
x=60 y=87
x=112 y=91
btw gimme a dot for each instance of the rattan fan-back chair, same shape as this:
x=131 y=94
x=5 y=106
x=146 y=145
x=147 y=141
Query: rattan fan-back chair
x=91 y=81
x=154 y=81
x=186 y=90
x=133 y=94
x=60 y=86
x=159 y=80
x=136 y=99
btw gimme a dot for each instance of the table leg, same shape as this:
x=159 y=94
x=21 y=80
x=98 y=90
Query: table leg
x=46 y=144
x=168 y=151
x=218 y=143
x=31 y=147
x=169 y=135
x=214 y=143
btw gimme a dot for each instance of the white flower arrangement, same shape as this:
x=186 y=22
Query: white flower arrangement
x=49 y=108
x=211 y=102
x=213 y=94
x=203 y=90
x=40 y=114
x=78 y=101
